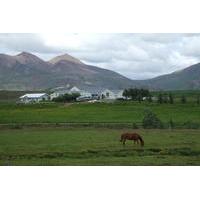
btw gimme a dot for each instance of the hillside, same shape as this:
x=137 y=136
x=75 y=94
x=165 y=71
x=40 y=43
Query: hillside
x=186 y=79
x=65 y=57
x=26 y=71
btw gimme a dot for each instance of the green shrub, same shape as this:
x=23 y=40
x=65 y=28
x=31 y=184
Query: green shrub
x=183 y=99
x=198 y=99
x=160 y=98
x=67 y=97
x=134 y=126
x=136 y=94
x=191 y=125
x=150 y=120
x=149 y=99
x=171 y=98
x=16 y=126
x=171 y=124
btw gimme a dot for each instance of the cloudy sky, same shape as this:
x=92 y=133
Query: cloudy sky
x=137 y=56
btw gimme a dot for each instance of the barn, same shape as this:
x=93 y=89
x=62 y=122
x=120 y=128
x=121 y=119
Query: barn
x=34 y=98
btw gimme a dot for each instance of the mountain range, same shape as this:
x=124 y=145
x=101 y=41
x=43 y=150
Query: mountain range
x=26 y=71
x=186 y=79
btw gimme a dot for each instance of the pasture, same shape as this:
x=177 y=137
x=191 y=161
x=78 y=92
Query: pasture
x=33 y=134
x=97 y=112
x=97 y=146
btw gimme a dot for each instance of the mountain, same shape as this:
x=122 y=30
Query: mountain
x=26 y=71
x=186 y=79
x=23 y=72
x=65 y=57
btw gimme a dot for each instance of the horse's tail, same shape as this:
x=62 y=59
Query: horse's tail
x=141 y=141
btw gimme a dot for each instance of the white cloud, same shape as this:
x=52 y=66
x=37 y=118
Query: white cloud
x=137 y=56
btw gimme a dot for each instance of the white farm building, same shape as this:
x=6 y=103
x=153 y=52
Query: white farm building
x=74 y=89
x=34 y=98
x=89 y=93
x=111 y=94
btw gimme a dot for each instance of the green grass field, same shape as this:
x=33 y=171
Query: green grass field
x=98 y=112
x=31 y=145
x=89 y=146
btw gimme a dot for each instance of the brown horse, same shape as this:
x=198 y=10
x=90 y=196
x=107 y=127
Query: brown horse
x=132 y=136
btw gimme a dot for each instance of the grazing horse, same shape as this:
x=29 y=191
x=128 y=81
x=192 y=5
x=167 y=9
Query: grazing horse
x=132 y=136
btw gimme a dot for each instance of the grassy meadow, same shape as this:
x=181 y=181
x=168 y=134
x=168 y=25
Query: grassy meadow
x=22 y=142
x=97 y=112
x=97 y=146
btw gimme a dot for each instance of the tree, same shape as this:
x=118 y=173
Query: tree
x=135 y=93
x=171 y=98
x=149 y=98
x=75 y=95
x=58 y=99
x=125 y=93
x=171 y=124
x=151 y=120
x=103 y=96
x=144 y=92
x=165 y=99
x=198 y=99
x=160 y=98
x=139 y=97
x=67 y=97
x=183 y=99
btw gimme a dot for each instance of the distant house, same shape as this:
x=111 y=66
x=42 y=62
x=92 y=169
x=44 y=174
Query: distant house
x=75 y=89
x=107 y=94
x=34 y=98
x=111 y=94
x=152 y=98
x=72 y=90
x=89 y=93
x=58 y=93
x=119 y=94
x=83 y=93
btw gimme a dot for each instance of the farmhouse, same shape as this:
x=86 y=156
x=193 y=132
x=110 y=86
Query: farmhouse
x=74 y=89
x=90 y=93
x=111 y=94
x=34 y=98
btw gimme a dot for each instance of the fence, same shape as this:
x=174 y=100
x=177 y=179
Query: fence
x=131 y=125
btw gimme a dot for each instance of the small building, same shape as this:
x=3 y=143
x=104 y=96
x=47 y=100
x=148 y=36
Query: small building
x=119 y=94
x=111 y=94
x=152 y=98
x=74 y=89
x=89 y=93
x=34 y=98
x=58 y=93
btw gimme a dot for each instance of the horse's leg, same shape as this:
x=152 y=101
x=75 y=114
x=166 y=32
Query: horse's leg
x=124 y=142
x=137 y=141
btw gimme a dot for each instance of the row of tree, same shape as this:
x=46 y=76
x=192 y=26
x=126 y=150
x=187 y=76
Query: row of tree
x=151 y=121
x=144 y=94
x=163 y=98
x=136 y=94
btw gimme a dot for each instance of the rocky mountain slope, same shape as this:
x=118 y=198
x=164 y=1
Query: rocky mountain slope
x=26 y=71
x=186 y=79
